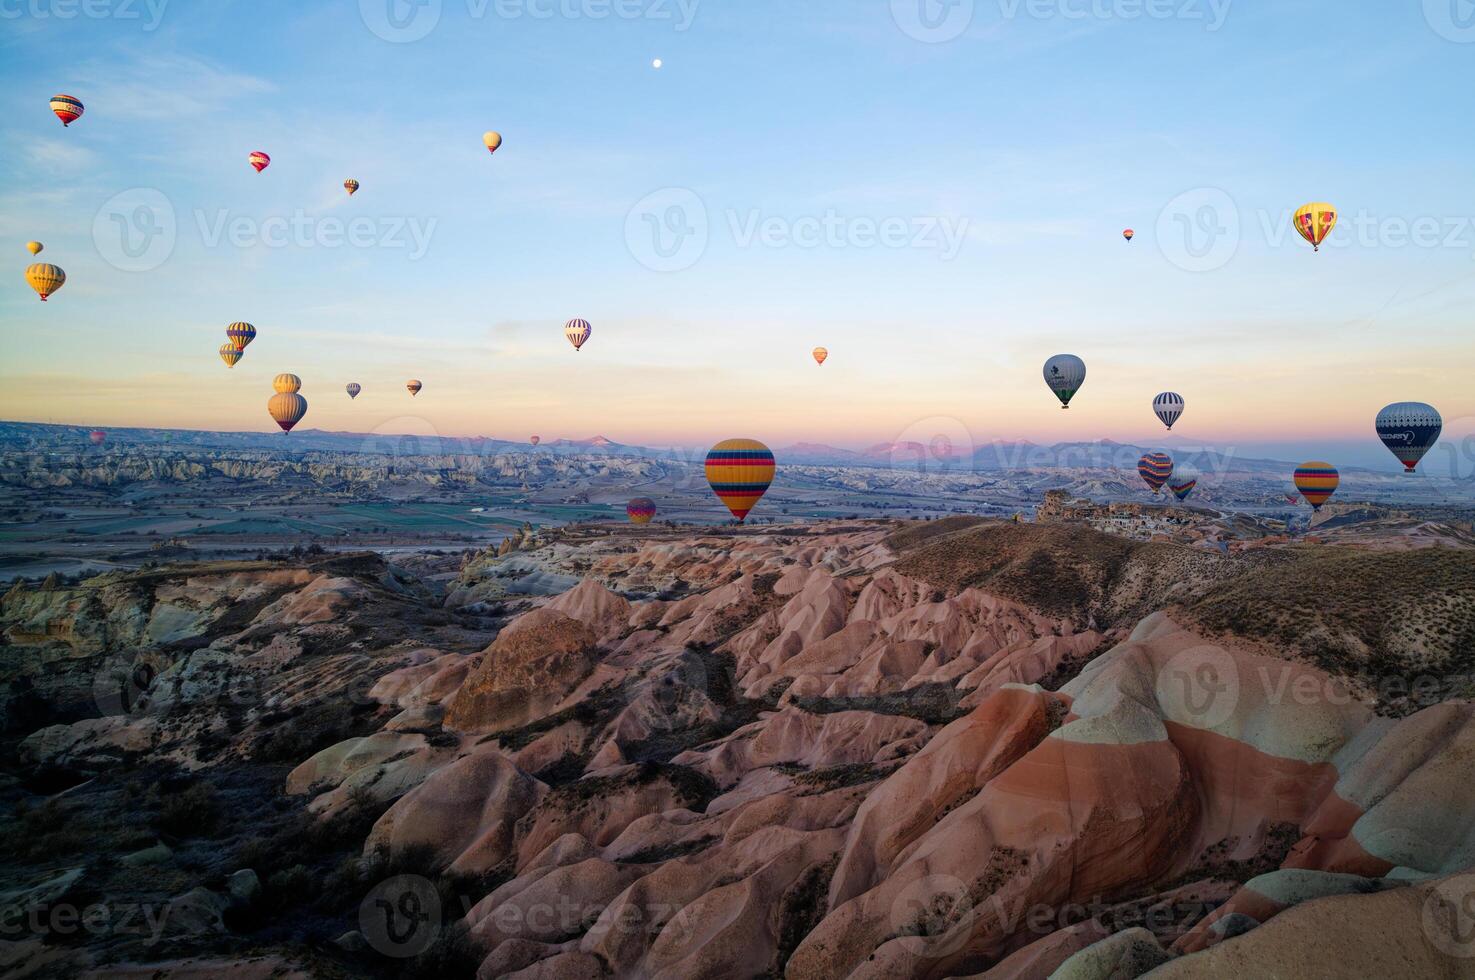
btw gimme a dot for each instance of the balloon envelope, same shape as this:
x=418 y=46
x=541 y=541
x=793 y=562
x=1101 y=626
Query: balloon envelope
x=287 y=407
x=34 y=247
x=240 y=334
x=1065 y=373
x=740 y=472
x=493 y=140
x=286 y=383
x=350 y=185
x=1409 y=430
x=97 y=436
x=230 y=354
x=259 y=160
x=577 y=331
x=67 y=109
x=1317 y=481
x=1168 y=407
x=353 y=389
x=820 y=355
x=45 y=278
x=641 y=510
x=1155 y=469
x=1183 y=482
x=535 y=440
x=1314 y=222
x=413 y=387
x=1129 y=234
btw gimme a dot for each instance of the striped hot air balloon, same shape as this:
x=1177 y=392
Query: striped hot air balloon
x=1315 y=222
x=353 y=388
x=1155 y=469
x=67 y=109
x=641 y=510
x=259 y=160
x=1317 y=481
x=231 y=354
x=1169 y=408
x=241 y=334
x=1409 y=430
x=1129 y=234
x=350 y=185
x=820 y=355
x=413 y=386
x=1183 y=482
x=286 y=383
x=45 y=278
x=740 y=472
x=1065 y=373
x=577 y=331
x=287 y=406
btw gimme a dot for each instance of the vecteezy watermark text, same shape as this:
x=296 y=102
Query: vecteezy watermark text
x=403 y=21
x=149 y=12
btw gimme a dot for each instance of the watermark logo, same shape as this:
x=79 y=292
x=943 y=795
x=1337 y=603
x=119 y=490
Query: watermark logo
x=667 y=230
x=150 y=13
x=1199 y=230
x=927 y=916
x=400 y=21
x=1449 y=917
x=135 y=231
x=935 y=446
x=1199 y=687
x=1453 y=20
x=933 y=21
x=401 y=917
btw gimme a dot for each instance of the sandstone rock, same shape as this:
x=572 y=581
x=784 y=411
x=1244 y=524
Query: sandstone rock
x=532 y=665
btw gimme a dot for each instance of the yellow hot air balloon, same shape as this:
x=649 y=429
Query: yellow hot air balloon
x=493 y=140
x=820 y=354
x=287 y=407
x=1315 y=222
x=740 y=472
x=286 y=383
x=230 y=354
x=413 y=387
x=45 y=279
x=34 y=247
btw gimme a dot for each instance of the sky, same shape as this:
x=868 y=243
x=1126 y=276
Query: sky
x=934 y=190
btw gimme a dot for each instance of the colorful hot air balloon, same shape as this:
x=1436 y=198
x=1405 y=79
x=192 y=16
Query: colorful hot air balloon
x=1155 y=469
x=1183 y=481
x=67 y=109
x=45 y=278
x=287 y=406
x=493 y=141
x=577 y=332
x=413 y=386
x=1129 y=234
x=1317 y=481
x=1409 y=430
x=1169 y=407
x=535 y=440
x=259 y=160
x=1065 y=373
x=353 y=388
x=820 y=355
x=740 y=472
x=230 y=354
x=1315 y=222
x=97 y=436
x=34 y=247
x=350 y=185
x=241 y=334
x=641 y=510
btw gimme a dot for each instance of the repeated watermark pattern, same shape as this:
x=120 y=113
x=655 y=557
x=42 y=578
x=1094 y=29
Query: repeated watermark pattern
x=147 y=14
x=940 y=21
x=405 y=21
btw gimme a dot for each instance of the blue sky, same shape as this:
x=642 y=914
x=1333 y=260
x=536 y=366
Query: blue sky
x=1005 y=161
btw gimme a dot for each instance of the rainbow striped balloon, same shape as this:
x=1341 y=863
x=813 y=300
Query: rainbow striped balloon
x=641 y=510
x=1317 y=481
x=740 y=472
x=1155 y=468
x=67 y=109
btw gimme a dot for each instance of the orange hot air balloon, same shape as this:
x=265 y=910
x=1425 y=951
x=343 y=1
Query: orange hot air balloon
x=820 y=354
x=1129 y=234
x=259 y=160
x=67 y=109
x=413 y=387
x=230 y=354
x=740 y=472
x=1315 y=222
x=45 y=278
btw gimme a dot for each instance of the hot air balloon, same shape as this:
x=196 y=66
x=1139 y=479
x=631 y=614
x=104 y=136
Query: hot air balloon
x=1317 y=481
x=241 y=334
x=67 y=109
x=34 y=247
x=577 y=332
x=1409 y=430
x=413 y=386
x=230 y=354
x=740 y=472
x=350 y=185
x=97 y=436
x=820 y=355
x=535 y=440
x=1315 y=222
x=286 y=383
x=45 y=278
x=493 y=141
x=1169 y=407
x=287 y=406
x=641 y=510
x=1065 y=373
x=259 y=160
x=1183 y=481
x=1129 y=234
x=1155 y=469
x=353 y=389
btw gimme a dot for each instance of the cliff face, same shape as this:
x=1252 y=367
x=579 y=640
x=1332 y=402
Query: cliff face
x=852 y=750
